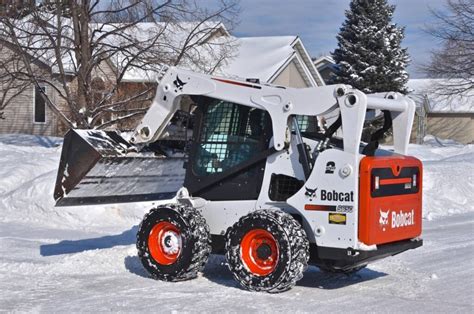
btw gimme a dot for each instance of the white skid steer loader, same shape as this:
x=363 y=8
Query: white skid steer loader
x=259 y=181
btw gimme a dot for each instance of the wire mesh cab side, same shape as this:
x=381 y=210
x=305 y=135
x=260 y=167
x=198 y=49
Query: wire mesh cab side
x=226 y=136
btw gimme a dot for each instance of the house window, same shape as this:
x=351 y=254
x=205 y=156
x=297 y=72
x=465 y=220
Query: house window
x=39 y=105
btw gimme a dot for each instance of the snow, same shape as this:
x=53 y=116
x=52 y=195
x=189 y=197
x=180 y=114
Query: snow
x=369 y=54
x=204 y=46
x=202 y=50
x=463 y=103
x=448 y=176
x=83 y=259
x=264 y=58
x=324 y=59
x=259 y=57
x=26 y=188
x=206 y=42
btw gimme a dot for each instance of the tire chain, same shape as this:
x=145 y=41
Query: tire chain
x=202 y=247
x=299 y=249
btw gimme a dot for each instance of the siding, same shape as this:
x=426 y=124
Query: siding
x=19 y=116
x=106 y=72
x=326 y=74
x=457 y=127
x=290 y=77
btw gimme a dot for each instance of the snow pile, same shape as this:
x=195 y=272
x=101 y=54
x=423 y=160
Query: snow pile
x=448 y=177
x=28 y=169
x=83 y=259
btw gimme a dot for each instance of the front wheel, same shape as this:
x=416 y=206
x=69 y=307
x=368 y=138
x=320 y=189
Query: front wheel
x=267 y=250
x=173 y=242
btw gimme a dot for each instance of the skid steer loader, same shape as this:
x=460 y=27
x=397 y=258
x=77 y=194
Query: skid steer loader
x=260 y=180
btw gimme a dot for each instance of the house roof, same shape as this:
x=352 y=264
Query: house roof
x=325 y=62
x=201 y=45
x=254 y=57
x=173 y=36
x=425 y=89
x=265 y=57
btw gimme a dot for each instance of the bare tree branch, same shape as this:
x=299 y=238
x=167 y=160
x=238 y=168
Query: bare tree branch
x=454 y=61
x=69 y=44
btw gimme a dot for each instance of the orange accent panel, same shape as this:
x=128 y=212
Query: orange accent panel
x=392 y=218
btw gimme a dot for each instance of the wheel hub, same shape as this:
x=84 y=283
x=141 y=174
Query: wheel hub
x=259 y=252
x=264 y=251
x=164 y=243
x=171 y=242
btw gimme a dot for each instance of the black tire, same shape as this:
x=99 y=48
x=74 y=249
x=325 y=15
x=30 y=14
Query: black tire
x=292 y=252
x=194 y=245
x=350 y=271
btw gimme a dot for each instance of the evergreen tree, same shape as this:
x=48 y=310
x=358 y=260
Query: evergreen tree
x=369 y=55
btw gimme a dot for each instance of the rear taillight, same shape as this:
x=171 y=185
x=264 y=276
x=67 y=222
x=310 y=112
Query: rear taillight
x=376 y=183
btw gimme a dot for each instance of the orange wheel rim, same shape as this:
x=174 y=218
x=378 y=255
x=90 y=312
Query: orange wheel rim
x=259 y=252
x=164 y=243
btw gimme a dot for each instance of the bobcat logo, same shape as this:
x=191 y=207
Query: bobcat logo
x=383 y=221
x=310 y=192
x=178 y=83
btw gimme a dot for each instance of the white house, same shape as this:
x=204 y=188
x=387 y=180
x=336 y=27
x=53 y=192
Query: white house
x=281 y=60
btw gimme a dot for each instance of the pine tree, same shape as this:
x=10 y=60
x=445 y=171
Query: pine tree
x=369 y=55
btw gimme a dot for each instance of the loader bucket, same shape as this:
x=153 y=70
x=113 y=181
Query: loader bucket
x=100 y=167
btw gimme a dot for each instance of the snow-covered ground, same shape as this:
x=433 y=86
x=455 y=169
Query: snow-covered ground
x=84 y=258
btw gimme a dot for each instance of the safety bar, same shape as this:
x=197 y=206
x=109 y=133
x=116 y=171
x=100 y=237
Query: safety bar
x=386 y=104
x=402 y=110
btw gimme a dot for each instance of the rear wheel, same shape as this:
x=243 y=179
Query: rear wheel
x=267 y=251
x=173 y=242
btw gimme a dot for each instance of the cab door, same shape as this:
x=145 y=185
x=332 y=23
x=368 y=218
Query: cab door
x=226 y=136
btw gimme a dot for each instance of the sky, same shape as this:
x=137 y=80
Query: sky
x=317 y=22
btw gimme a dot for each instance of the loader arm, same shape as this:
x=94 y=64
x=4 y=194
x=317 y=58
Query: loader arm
x=103 y=167
x=280 y=103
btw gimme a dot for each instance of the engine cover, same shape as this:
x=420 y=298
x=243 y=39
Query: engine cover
x=390 y=199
